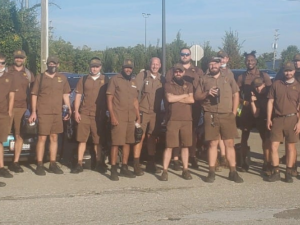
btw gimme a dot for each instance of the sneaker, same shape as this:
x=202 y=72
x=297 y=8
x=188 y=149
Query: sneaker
x=5 y=173
x=152 y=168
x=288 y=177
x=101 y=168
x=164 y=176
x=210 y=177
x=194 y=163
x=40 y=170
x=186 y=175
x=125 y=172
x=138 y=170
x=2 y=184
x=275 y=176
x=15 y=167
x=77 y=169
x=234 y=176
x=114 y=173
x=176 y=165
x=53 y=168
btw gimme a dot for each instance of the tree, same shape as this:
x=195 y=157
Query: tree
x=208 y=53
x=263 y=58
x=232 y=46
x=289 y=53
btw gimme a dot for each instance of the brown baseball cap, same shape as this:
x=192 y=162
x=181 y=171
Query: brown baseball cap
x=19 y=54
x=257 y=82
x=214 y=59
x=296 y=58
x=95 y=62
x=288 y=66
x=178 y=66
x=222 y=54
x=128 y=63
x=53 y=59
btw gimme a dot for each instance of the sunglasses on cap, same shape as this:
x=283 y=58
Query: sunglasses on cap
x=184 y=54
x=2 y=63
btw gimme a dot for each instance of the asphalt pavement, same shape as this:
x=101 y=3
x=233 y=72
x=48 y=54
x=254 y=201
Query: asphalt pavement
x=91 y=198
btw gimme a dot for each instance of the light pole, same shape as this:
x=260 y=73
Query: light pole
x=146 y=15
x=44 y=34
x=163 y=37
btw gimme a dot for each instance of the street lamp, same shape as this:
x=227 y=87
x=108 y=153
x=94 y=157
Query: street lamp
x=146 y=15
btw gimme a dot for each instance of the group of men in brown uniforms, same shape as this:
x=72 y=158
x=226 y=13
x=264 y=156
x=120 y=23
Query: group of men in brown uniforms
x=134 y=101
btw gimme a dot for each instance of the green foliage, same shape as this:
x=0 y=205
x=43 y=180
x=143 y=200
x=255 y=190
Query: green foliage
x=208 y=53
x=263 y=58
x=289 y=53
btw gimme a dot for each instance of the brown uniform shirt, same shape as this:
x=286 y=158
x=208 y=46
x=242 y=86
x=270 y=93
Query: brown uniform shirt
x=124 y=92
x=50 y=97
x=286 y=97
x=7 y=85
x=245 y=84
x=227 y=86
x=228 y=72
x=192 y=75
x=152 y=92
x=178 y=111
x=94 y=95
x=21 y=81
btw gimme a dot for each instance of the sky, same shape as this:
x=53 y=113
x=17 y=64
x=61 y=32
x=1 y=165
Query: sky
x=101 y=24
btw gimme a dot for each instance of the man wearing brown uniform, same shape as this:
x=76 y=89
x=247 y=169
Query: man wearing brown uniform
x=284 y=99
x=179 y=95
x=150 y=85
x=7 y=94
x=192 y=75
x=49 y=91
x=220 y=97
x=23 y=79
x=90 y=113
x=247 y=119
x=123 y=106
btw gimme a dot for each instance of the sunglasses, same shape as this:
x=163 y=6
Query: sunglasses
x=184 y=54
x=2 y=63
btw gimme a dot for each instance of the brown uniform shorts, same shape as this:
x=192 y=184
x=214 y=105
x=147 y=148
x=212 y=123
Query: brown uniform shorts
x=151 y=122
x=87 y=125
x=50 y=124
x=123 y=133
x=4 y=127
x=179 y=134
x=16 y=119
x=284 y=127
x=219 y=124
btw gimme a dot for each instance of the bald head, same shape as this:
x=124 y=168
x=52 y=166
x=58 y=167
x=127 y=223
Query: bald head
x=155 y=65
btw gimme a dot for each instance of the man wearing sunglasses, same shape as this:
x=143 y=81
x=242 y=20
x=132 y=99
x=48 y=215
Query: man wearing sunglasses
x=23 y=79
x=192 y=75
x=7 y=94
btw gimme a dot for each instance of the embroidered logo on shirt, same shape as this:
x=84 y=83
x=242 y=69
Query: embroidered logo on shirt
x=102 y=81
x=6 y=80
x=59 y=80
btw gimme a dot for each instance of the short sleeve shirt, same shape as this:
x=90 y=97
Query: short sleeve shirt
x=21 y=81
x=179 y=111
x=94 y=97
x=7 y=85
x=124 y=93
x=245 y=80
x=227 y=86
x=151 y=91
x=50 y=96
x=286 y=97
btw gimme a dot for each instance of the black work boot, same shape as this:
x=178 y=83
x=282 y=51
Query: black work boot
x=194 y=162
x=186 y=175
x=53 y=168
x=40 y=170
x=288 y=175
x=125 y=172
x=176 y=165
x=234 y=176
x=77 y=169
x=101 y=167
x=152 y=168
x=275 y=176
x=294 y=170
x=114 y=173
x=164 y=176
x=210 y=177
x=5 y=173
x=15 y=167
x=137 y=167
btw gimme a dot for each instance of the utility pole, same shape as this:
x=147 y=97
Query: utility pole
x=26 y=4
x=44 y=34
x=274 y=46
x=163 y=38
x=146 y=15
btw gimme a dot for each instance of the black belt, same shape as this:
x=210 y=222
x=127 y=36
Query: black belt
x=287 y=115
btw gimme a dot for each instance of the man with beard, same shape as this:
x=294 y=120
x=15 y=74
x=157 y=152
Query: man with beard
x=192 y=75
x=90 y=113
x=23 y=79
x=49 y=91
x=247 y=119
x=150 y=85
x=179 y=95
x=284 y=98
x=123 y=106
x=259 y=103
x=7 y=95
x=220 y=96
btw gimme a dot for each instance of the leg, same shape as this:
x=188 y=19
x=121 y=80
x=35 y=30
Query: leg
x=275 y=176
x=136 y=154
x=18 y=147
x=185 y=157
x=151 y=148
x=167 y=158
x=192 y=151
x=40 y=148
x=212 y=158
x=53 y=167
x=81 y=150
x=113 y=155
x=1 y=155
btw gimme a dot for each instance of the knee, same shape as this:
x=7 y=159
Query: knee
x=18 y=138
x=42 y=139
x=53 y=137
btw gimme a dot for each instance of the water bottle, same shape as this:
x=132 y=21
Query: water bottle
x=65 y=111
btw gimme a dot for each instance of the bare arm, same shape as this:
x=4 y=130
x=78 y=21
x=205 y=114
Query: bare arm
x=175 y=98
x=66 y=98
x=269 y=113
x=189 y=99
x=254 y=109
x=137 y=110
x=76 y=107
x=11 y=103
x=32 y=117
x=235 y=102
x=113 y=118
